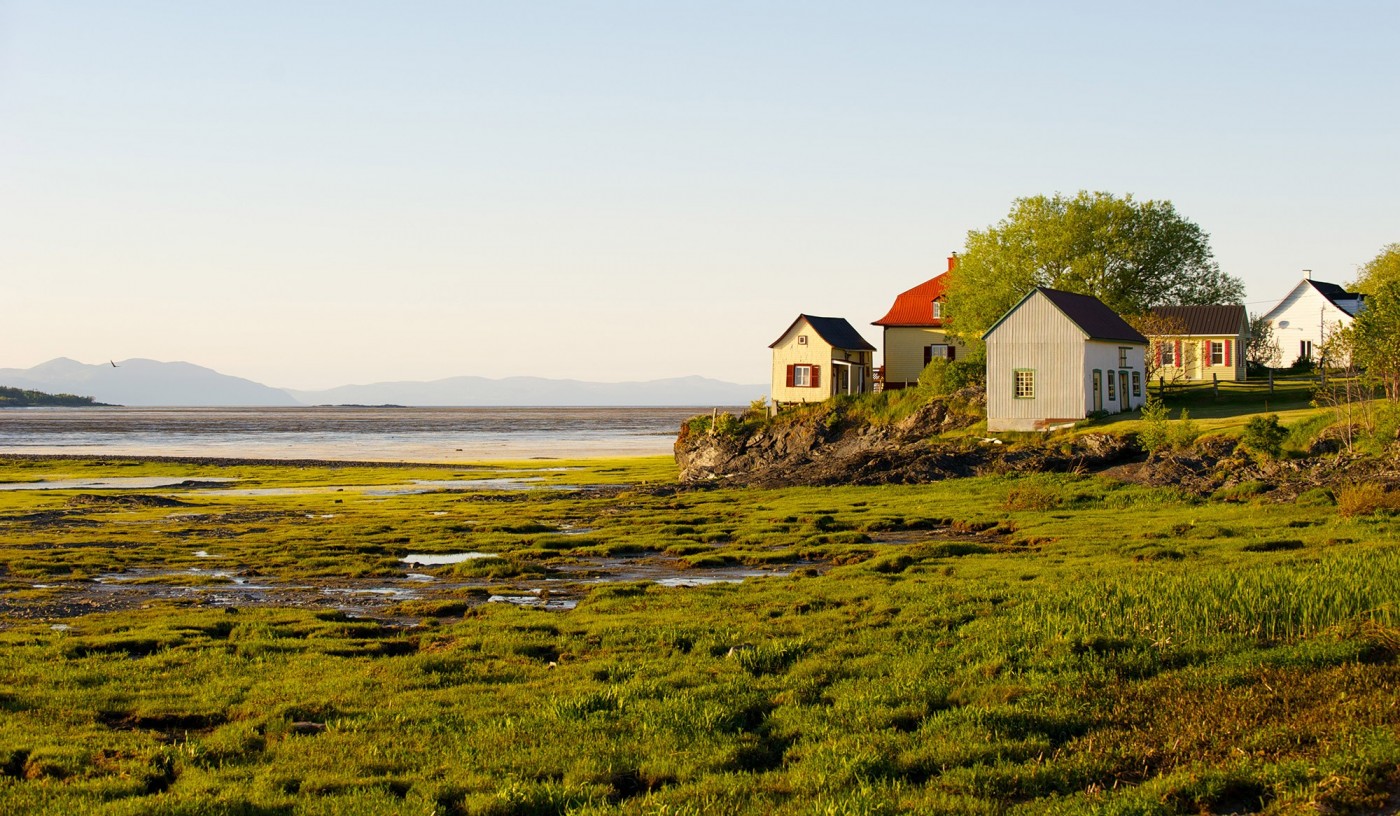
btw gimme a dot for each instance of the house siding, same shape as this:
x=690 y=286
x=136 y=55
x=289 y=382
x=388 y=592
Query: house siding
x=1309 y=316
x=904 y=351
x=787 y=351
x=1039 y=337
x=1195 y=364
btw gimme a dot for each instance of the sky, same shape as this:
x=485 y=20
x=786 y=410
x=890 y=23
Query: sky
x=314 y=193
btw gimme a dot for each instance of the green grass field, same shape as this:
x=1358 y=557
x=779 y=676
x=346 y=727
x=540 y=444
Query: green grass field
x=1042 y=644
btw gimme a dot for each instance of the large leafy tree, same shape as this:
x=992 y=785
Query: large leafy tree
x=1384 y=267
x=1132 y=255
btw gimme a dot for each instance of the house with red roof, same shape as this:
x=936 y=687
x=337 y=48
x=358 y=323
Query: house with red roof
x=914 y=331
x=818 y=357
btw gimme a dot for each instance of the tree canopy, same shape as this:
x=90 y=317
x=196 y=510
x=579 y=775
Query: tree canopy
x=1379 y=270
x=1132 y=255
x=1375 y=338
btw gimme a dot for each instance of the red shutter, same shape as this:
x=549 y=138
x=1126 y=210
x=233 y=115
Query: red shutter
x=1158 y=347
x=816 y=376
x=790 y=375
x=1205 y=353
x=1228 y=349
x=928 y=355
x=1179 y=363
x=952 y=352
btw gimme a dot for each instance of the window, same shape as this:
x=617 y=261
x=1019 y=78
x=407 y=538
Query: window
x=1112 y=388
x=801 y=339
x=1168 y=352
x=1217 y=352
x=938 y=310
x=804 y=376
x=1123 y=356
x=1025 y=383
x=1305 y=349
x=1137 y=384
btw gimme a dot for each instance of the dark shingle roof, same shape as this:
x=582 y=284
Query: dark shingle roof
x=834 y=330
x=1349 y=302
x=1088 y=313
x=1213 y=320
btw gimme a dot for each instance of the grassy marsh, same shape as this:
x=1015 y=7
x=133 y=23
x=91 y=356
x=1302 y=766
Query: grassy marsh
x=1042 y=644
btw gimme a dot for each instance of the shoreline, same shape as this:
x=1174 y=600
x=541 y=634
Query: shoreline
x=237 y=461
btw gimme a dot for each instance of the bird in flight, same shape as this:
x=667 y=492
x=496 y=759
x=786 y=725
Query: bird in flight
x=114 y=363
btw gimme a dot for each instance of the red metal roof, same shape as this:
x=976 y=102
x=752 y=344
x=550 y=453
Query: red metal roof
x=915 y=307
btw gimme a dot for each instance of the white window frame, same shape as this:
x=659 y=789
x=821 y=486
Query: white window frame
x=801 y=376
x=1217 y=352
x=1168 y=350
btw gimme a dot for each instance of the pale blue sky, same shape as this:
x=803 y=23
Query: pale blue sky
x=316 y=193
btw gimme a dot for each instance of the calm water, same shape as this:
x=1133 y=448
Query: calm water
x=368 y=434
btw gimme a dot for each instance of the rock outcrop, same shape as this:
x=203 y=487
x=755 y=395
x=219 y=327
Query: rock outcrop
x=822 y=445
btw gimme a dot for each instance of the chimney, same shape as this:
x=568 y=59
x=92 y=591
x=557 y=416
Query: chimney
x=952 y=261
x=1307 y=273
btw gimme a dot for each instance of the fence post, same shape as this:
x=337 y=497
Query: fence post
x=1215 y=384
x=1271 y=379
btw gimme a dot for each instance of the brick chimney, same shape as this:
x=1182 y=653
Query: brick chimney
x=952 y=261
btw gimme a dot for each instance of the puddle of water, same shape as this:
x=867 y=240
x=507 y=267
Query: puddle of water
x=203 y=554
x=418 y=576
x=436 y=560
x=60 y=627
x=118 y=483
x=534 y=601
x=415 y=487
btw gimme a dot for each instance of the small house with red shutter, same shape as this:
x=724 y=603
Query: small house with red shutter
x=818 y=357
x=914 y=331
x=1198 y=343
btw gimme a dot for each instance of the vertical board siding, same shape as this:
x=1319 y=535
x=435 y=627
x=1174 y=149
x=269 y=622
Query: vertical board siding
x=1036 y=336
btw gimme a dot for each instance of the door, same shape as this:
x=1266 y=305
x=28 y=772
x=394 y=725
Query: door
x=1123 y=391
x=1098 y=390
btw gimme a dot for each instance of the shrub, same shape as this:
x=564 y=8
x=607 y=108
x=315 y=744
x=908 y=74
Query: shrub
x=1030 y=497
x=1156 y=431
x=1365 y=500
x=1264 y=436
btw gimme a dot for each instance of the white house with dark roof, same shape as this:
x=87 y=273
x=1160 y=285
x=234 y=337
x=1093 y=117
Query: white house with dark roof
x=1203 y=343
x=1308 y=316
x=1057 y=357
x=818 y=357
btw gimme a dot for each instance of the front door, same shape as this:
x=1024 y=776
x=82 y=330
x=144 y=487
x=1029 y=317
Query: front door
x=1098 y=391
x=1123 y=390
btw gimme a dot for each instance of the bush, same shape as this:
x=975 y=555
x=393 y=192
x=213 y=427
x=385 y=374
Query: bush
x=1156 y=432
x=1365 y=500
x=1264 y=436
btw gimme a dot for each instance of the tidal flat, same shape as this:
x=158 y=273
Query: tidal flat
x=256 y=638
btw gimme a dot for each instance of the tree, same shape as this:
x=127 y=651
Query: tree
x=1263 y=350
x=1161 y=330
x=1384 y=267
x=1131 y=255
x=1375 y=338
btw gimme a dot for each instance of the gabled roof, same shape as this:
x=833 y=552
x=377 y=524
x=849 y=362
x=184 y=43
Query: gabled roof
x=834 y=330
x=1349 y=302
x=915 y=306
x=1212 y=320
x=1085 y=311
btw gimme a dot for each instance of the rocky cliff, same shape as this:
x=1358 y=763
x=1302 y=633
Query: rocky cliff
x=824 y=445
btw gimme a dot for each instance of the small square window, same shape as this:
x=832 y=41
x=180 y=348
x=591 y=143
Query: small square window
x=801 y=339
x=1025 y=384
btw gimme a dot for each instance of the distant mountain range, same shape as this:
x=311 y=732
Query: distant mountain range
x=152 y=383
